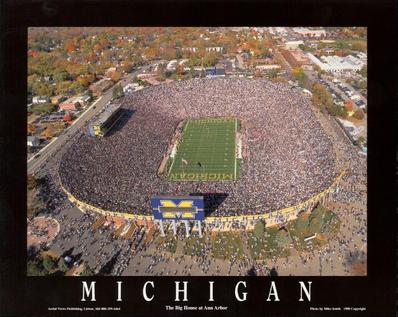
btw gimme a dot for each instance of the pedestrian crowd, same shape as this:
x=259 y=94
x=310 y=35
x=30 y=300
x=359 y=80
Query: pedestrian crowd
x=290 y=157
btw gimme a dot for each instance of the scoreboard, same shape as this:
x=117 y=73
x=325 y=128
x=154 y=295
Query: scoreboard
x=178 y=208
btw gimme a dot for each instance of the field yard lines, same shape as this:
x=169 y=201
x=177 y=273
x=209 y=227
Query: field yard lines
x=212 y=144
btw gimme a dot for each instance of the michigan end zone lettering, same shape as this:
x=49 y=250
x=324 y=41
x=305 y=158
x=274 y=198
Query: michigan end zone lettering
x=201 y=176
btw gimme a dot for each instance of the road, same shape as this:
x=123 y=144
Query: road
x=44 y=154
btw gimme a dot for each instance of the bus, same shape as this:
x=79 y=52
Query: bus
x=106 y=120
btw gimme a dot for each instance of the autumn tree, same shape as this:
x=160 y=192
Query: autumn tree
x=31 y=181
x=70 y=45
x=180 y=69
x=359 y=114
x=31 y=129
x=116 y=76
x=49 y=132
x=300 y=76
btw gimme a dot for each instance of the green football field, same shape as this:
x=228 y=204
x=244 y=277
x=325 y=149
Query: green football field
x=207 y=151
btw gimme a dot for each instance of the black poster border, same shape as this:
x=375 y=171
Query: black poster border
x=21 y=295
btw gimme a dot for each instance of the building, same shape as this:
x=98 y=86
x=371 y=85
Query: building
x=56 y=100
x=52 y=117
x=293 y=44
x=33 y=141
x=72 y=104
x=267 y=67
x=190 y=49
x=100 y=86
x=217 y=49
x=296 y=57
x=84 y=100
x=110 y=71
x=337 y=64
x=305 y=32
x=40 y=99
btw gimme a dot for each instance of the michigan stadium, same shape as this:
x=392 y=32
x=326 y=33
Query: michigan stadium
x=250 y=148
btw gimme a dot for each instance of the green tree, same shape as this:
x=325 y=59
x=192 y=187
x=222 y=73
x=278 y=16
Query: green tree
x=300 y=76
x=259 y=229
x=61 y=75
x=62 y=265
x=117 y=92
x=364 y=71
x=48 y=263
x=34 y=268
x=43 y=89
x=336 y=110
x=362 y=84
x=321 y=97
x=76 y=87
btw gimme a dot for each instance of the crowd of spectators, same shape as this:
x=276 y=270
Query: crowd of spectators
x=289 y=158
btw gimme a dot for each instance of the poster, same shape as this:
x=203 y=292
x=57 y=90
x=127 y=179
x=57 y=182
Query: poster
x=268 y=123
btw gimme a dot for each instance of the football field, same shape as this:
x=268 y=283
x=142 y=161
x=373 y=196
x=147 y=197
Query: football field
x=207 y=151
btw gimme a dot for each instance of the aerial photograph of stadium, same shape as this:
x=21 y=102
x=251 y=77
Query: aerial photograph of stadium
x=182 y=151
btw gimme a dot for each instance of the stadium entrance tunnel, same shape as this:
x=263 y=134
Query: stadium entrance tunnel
x=212 y=201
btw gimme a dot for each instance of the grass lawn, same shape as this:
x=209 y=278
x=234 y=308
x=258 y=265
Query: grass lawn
x=267 y=246
x=207 y=151
x=321 y=221
x=227 y=245
x=194 y=245
x=167 y=243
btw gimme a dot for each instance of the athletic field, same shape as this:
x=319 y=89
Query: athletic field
x=207 y=151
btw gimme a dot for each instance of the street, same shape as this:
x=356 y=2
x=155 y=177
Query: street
x=42 y=156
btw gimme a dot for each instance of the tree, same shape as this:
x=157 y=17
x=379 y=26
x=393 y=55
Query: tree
x=31 y=129
x=259 y=229
x=180 y=69
x=77 y=87
x=43 y=89
x=300 y=76
x=349 y=105
x=364 y=71
x=87 y=271
x=359 y=46
x=362 y=85
x=34 y=268
x=62 y=265
x=336 y=110
x=49 y=132
x=61 y=75
x=116 y=76
x=63 y=87
x=48 y=263
x=117 y=92
x=258 y=74
x=321 y=97
x=31 y=182
x=359 y=114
